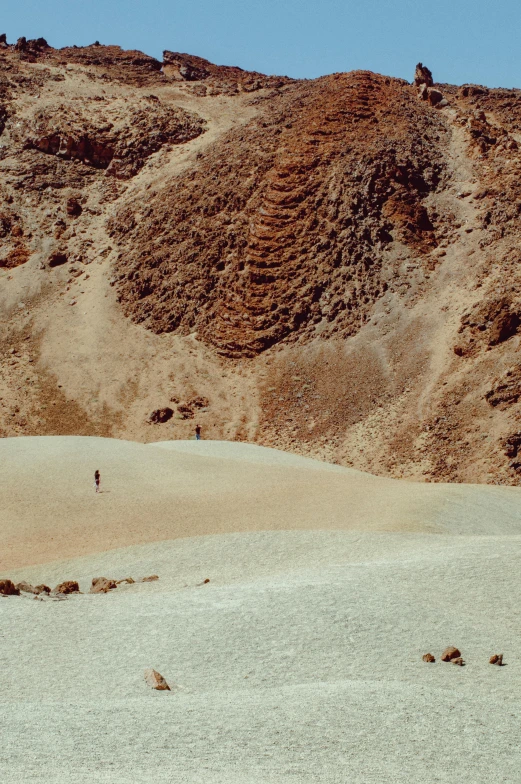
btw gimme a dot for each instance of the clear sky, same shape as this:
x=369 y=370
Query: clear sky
x=459 y=40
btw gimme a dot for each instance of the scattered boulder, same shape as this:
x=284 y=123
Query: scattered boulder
x=423 y=75
x=69 y=586
x=434 y=97
x=102 y=585
x=74 y=207
x=8 y=588
x=129 y=580
x=161 y=415
x=450 y=653
x=204 y=582
x=36 y=589
x=459 y=661
x=42 y=588
x=497 y=658
x=150 y=579
x=428 y=657
x=156 y=681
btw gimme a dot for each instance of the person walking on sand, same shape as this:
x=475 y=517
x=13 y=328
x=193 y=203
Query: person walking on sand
x=198 y=432
x=97 y=480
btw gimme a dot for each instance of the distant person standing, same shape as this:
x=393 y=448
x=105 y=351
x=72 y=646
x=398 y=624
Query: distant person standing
x=97 y=480
x=198 y=432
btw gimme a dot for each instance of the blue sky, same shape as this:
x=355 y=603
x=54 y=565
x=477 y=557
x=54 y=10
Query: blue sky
x=460 y=40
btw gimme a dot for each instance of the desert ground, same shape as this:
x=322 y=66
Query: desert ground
x=299 y=661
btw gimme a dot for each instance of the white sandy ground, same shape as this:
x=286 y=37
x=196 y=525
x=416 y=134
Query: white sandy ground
x=299 y=662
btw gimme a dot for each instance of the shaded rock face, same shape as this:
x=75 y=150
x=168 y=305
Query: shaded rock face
x=284 y=226
x=161 y=415
x=8 y=588
x=497 y=658
x=156 y=681
x=489 y=323
x=506 y=389
x=120 y=145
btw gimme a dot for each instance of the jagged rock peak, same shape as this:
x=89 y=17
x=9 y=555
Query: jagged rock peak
x=423 y=75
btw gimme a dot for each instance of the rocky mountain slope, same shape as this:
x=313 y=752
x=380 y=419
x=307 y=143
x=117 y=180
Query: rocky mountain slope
x=329 y=266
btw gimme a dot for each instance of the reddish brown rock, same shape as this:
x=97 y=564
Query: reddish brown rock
x=497 y=658
x=129 y=580
x=8 y=588
x=150 y=579
x=102 y=585
x=458 y=661
x=428 y=657
x=67 y=587
x=423 y=75
x=57 y=258
x=74 y=208
x=156 y=681
x=450 y=653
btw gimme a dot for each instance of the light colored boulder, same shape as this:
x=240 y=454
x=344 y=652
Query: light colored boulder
x=156 y=681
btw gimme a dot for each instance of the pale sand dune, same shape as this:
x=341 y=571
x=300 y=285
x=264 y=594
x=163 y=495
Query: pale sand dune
x=299 y=662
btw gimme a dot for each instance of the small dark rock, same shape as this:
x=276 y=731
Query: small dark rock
x=57 y=259
x=161 y=415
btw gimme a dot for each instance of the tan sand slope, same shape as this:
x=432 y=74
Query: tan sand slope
x=49 y=510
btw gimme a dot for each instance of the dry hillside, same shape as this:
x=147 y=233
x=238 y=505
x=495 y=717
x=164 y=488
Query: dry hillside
x=329 y=266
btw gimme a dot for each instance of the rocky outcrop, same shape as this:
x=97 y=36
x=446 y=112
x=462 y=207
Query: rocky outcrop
x=8 y=588
x=218 y=79
x=426 y=92
x=156 y=681
x=120 y=145
x=284 y=224
x=423 y=75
